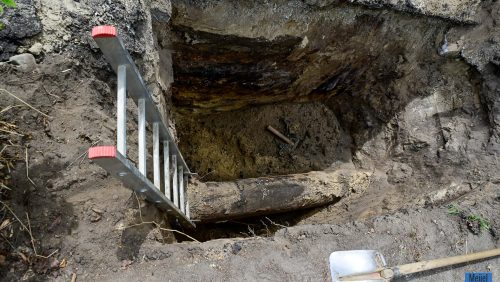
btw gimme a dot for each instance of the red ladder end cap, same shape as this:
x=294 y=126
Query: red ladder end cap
x=103 y=31
x=102 y=152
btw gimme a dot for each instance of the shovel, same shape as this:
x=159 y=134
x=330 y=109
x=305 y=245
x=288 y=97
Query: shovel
x=369 y=265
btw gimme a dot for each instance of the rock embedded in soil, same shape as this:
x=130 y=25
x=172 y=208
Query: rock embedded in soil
x=26 y=62
x=19 y=23
x=36 y=49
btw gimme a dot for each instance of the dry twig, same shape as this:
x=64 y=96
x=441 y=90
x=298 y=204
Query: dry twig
x=267 y=229
x=157 y=225
x=8 y=242
x=27 y=168
x=76 y=87
x=207 y=174
x=22 y=101
x=11 y=132
x=3 y=186
x=138 y=206
x=83 y=154
x=251 y=231
x=9 y=107
x=31 y=234
x=28 y=230
x=274 y=223
x=50 y=93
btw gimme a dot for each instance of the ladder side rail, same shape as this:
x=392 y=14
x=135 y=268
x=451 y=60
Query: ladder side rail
x=116 y=54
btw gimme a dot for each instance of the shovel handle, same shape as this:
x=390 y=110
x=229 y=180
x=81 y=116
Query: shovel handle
x=437 y=263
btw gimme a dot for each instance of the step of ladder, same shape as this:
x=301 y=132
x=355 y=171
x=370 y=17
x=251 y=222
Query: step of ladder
x=114 y=158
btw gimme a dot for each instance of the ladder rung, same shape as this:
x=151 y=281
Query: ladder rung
x=166 y=169
x=181 y=189
x=175 y=181
x=121 y=111
x=156 y=155
x=142 y=135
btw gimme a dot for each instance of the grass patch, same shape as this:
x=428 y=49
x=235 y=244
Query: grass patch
x=484 y=224
x=453 y=209
x=473 y=221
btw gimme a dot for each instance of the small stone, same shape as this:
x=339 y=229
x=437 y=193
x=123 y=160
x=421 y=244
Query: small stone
x=21 y=50
x=115 y=197
x=26 y=61
x=157 y=255
x=54 y=263
x=96 y=210
x=452 y=50
x=95 y=218
x=48 y=48
x=236 y=248
x=36 y=49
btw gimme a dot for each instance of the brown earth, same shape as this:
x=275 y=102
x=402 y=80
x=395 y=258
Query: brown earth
x=425 y=126
x=232 y=145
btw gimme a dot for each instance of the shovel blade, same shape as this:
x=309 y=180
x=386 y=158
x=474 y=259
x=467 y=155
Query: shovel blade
x=346 y=263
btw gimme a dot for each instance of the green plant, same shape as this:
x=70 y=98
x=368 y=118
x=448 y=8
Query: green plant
x=484 y=224
x=7 y=3
x=453 y=209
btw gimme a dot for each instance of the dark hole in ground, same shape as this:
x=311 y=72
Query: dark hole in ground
x=263 y=226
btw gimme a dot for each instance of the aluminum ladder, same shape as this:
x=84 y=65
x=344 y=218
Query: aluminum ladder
x=114 y=158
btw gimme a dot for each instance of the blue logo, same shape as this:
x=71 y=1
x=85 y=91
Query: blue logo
x=478 y=277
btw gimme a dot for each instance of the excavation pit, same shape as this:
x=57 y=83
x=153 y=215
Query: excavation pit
x=354 y=88
x=234 y=145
